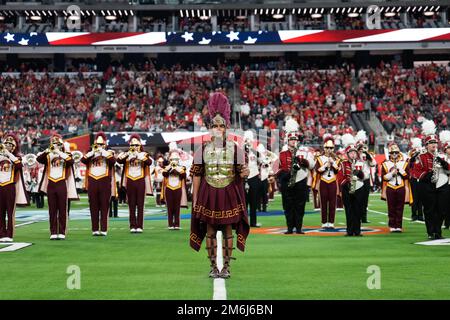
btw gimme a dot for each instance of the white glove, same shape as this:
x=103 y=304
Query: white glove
x=141 y=156
x=104 y=153
x=90 y=154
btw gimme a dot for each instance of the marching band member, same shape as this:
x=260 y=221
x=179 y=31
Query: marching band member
x=218 y=171
x=136 y=180
x=444 y=136
x=58 y=182
x=173 y=191
x=267 y=159
x=114 y=203
x=294 y=173
x=12 y=186
x=432 y=181
x=100 y=183
x=316 y=196
x=396 y=187
x=157 y=174
x=327 y=166
x=369 y=167
x=351 y=181
x=413 y=160
x=254 y=180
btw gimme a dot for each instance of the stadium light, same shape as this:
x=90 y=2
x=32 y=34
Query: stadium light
x=414 y=9
x=316 y=16
x=131 y=12
x=2 y=18
x=310 y=10
x=304 y=11
x=337 y=10
x=322 y=10
x=65 y=13
x=438 y=7
x=181 y=13
x=43 y=12
x=187 y=13
x=278 y=16
x=103 y=13
x=331 y=11
x=93 y=12
x=399 y=8
x=10 y=12
x=293 y=10
x=26 y=12
x=361 y=9
x=353 y=14
x=267 y=11
x=389 y=14
x=120 y=12
x=114 y=13
x=192 y=13
x=284 y=10
x=426 y=9
x=109 y=14
x=299 y=10
x=273 y=11
x=428 y=13
x=432 y=7
x=35 y=18
x=50 y=13
x=420 y=8
x=261 y=11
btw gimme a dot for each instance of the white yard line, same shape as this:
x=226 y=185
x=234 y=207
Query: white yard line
x=220 y=292
x=25 y=223
x=385 y=214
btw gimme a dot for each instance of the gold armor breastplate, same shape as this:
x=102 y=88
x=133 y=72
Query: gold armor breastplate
x=219 y=165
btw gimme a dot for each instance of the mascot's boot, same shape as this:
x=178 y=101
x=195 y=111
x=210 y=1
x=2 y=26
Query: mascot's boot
x=227 y=251
x=211 y=246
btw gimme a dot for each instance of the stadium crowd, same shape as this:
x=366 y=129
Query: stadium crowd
x=153 y=98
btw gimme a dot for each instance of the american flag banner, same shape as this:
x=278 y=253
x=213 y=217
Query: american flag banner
x=223 y=38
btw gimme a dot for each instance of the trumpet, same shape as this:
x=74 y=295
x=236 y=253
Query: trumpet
x=95 y=148
x=132 y=149
x=2 y=148
x=52 y=148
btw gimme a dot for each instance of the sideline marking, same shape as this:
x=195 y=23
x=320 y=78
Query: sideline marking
x=220 y=292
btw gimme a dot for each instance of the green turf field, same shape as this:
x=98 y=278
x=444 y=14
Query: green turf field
x=159 y=263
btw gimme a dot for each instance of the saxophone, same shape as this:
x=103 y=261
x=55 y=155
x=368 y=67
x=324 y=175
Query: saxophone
x=353 y=179
x=435 y=170
x=293 y=172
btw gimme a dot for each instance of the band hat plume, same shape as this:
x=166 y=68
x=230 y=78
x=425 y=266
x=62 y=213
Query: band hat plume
x=361 y=138
x=444 y=137
x=416 y=143
x=291 y=129
x=429 y=130
x=348 y=142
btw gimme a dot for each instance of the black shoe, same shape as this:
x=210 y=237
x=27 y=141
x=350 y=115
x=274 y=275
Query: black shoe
x=289 y=232
x=430 y=237
x=254 y=226
x=299 y=232
x=420 y=219
x=437 y=236
x=349 y=234
x=365 y=221
x=358 y=235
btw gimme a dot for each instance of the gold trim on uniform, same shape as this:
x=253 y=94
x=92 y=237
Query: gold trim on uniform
x=223 y=214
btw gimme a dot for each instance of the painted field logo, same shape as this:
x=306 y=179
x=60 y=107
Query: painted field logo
x=318 y=231
x=9 y=247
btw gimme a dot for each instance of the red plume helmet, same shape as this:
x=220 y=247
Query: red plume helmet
x=218 y=105
x=102 y=135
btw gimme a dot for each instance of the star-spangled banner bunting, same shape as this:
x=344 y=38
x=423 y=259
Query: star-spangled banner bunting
x=121 y=139
x=214 y=38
